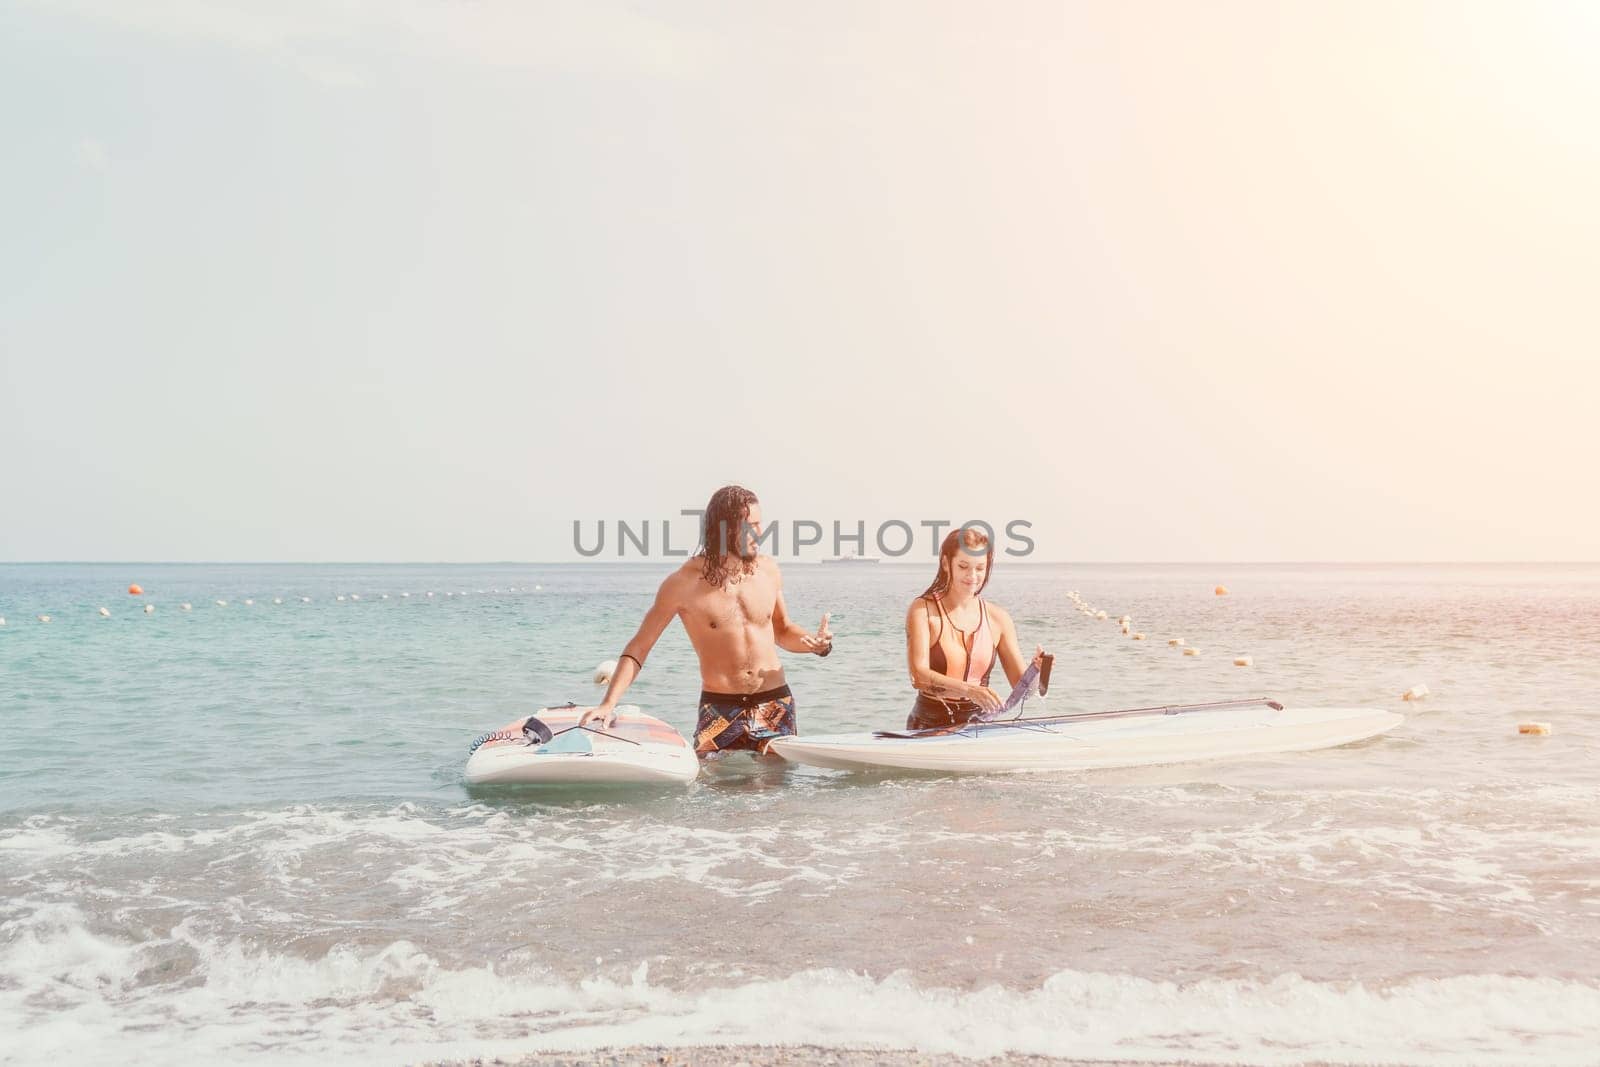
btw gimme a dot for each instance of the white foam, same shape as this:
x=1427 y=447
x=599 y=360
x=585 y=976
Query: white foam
x=91 y=997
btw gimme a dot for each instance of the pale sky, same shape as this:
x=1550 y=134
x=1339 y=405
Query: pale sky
x=410 y=280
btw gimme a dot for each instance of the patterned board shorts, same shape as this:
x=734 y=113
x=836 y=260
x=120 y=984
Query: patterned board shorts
x=730 y=722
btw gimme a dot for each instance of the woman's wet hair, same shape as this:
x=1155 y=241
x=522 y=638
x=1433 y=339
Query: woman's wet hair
x=970 y=539
x=722 y=535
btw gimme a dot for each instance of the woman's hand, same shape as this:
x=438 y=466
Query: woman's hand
x=1038 y=657
x=984 y=697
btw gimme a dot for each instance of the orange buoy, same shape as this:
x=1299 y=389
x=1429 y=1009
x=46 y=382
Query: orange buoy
x=135 y=590
x=1221 y=590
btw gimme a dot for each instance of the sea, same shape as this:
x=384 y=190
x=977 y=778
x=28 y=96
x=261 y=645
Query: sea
x=240 y=832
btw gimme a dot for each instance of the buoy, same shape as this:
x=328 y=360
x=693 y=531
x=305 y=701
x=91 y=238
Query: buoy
x=1126 y=630
x=1138 y=637
x=355 y=596
x=404 y=595
x=494 y=590
x=44 y=618
x=105 y=613
x=277 y=600
x=222 y=603
x=1099 y=614
x=1175 y=642
x=149 y=609
x=603 y=673
x=1534 y=729
x=249 y=603
x=1416 y=692
x=1221 y=590
x=305 y=600
x=513 y=589
x=430 y=593
x=1125 y=620
x=447 y=593
x=187 y=607
x=340 y=598
x=383 y=596
x=134 y=590
x=537 y=588
x=2 y=620
x=1242 y=661
x=1191 y=652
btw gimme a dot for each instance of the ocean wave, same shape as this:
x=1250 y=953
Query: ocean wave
x=68 y=992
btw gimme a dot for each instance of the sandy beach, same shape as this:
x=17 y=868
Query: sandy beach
x=770 y=1056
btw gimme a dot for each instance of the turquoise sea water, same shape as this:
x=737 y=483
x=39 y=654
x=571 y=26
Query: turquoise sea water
x=241 y=830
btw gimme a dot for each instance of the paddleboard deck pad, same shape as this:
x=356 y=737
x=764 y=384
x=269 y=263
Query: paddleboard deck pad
x=1133 y=737
x=550 y=748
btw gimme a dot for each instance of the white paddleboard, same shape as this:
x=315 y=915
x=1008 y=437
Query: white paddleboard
x=1124 y=739
x=639 y=750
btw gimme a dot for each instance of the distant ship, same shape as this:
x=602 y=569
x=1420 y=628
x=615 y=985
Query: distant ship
x=854 y=557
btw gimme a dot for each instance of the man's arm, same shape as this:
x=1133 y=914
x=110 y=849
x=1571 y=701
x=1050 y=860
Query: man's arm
x=631 y=662
x=791 y=638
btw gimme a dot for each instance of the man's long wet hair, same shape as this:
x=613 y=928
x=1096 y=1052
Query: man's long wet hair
x=722 y=536
x=971 y=540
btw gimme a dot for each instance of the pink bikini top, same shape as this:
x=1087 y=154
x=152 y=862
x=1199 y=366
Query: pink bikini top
x=979 y=647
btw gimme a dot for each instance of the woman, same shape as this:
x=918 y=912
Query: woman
x=954 y=636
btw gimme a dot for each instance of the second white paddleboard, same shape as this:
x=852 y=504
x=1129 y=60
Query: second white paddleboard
x=1090 y=743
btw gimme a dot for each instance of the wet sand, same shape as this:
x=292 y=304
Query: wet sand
x=773 y=1056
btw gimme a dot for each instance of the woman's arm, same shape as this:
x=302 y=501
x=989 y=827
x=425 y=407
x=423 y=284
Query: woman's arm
x=924 y=678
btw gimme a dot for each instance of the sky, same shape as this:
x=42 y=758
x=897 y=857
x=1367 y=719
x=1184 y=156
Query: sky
x=411 y=280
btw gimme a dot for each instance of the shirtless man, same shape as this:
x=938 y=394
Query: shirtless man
x=730 y=598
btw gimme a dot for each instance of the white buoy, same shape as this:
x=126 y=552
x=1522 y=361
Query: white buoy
x=603 y=673
x=149 y=609
x=537 y=588
x=222 y=603
x=1416 y=692
x=355 y=596
x=1175 y=642
x=305 y=600
x=2 y=620
x=1126 y=630
x=277 y=600
x=44 y=618
x=383 y=596
x=447 y=593
x=1125 y=619
x=513 y=589
x=1100 y=615
x=186 y=607
x=105 y=613
x=249 y=603
x=1138 y=637
x=1242 y=661
x=404 y=595
x=1191 y=652
x=340 y=598
x=1534 y=729
x=430 y=593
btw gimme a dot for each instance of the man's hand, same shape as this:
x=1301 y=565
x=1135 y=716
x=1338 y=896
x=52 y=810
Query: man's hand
x=821 y=642
x=600 y=716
